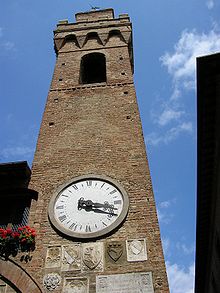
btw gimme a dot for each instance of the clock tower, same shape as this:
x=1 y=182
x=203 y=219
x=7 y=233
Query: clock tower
x=95 y=217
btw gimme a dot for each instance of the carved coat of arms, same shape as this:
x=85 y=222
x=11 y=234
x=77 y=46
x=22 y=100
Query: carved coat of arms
x=115 y=250
x=92 y=256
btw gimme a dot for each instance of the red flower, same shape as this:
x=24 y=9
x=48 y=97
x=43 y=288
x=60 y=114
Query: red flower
x=8 y=231
x=15 y=234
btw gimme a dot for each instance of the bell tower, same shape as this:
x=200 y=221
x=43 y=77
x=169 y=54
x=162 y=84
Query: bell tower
x=95 y=217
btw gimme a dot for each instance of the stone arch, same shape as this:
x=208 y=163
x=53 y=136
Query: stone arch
x=115 y=34
x=18 y=277
x=69 y=42
x=93 y=36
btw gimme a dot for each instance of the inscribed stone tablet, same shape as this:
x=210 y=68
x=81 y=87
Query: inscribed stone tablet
x=125 y=283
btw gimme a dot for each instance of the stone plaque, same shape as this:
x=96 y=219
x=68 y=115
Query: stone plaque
x=53 y=257
x=115 y=254
x=71 y=257
x=125 y=283
x=92 y=256
x=75 y=285
x=115 y=250
x=52 y=281
x=136 y=250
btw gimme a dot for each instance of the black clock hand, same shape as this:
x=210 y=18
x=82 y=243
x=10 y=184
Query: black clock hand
x=106 y=205
x=102 y=212
x=89 y=204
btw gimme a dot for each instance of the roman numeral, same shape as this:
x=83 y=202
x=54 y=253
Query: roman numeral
x=89 y=183
x=64 y=195
x=88 y=228
x=59 y=207
x=104 y=224
x=102 y=185
x=75 y=187
x=117 y=201
x=72 y=226
x=113 y=191
x=62 y=218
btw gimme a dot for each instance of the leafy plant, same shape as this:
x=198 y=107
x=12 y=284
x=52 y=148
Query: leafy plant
x=12 y=242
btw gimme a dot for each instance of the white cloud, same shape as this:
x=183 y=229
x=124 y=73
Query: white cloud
x=5 y=45
x=165 y=204
x=210 y=4
x=1 y=32
x=169 y=115
x=22 y=151
x=155 y=139
x=181 y=63
x=181 y=280
x=181 y=66
x=187 y=250
x=166 y=246
x=164 y=217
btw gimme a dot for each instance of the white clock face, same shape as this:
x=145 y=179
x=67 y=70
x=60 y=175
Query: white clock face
x=88 y=207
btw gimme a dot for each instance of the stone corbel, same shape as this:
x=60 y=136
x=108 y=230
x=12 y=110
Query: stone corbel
x=126 y=36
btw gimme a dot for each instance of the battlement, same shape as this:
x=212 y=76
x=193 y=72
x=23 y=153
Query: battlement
x=105 y=14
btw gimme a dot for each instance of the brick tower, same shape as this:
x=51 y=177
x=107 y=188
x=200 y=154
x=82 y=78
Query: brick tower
x=95 y=217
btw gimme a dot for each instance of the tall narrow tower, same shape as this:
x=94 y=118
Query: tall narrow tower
x=96 y=221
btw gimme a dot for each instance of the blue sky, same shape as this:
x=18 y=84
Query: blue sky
x=168 y=35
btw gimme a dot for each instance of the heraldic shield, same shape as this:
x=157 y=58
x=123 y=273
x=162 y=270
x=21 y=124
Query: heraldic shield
x=91 y=256
x=115 y=250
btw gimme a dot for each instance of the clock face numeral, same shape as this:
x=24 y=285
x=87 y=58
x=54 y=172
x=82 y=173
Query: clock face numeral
x=88 y=228
x=87 y=207
x=89 y=183
x=62 y=218
x=117 y=201
x=59 y=207
x=113 y=191
x=73 y=225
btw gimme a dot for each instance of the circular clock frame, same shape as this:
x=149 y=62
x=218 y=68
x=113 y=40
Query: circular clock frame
x=120 y=219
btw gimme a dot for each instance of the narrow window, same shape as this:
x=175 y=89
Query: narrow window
x=93 y=68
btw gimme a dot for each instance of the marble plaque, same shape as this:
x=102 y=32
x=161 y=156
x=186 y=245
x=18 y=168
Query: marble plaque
x=136 y=250
x=53 y=257
x=51 y=281
x=92 y=256
x=125 y=283
x=71 y=257
x=75 y=285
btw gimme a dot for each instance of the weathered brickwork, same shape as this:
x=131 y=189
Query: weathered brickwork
x=94 y=129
